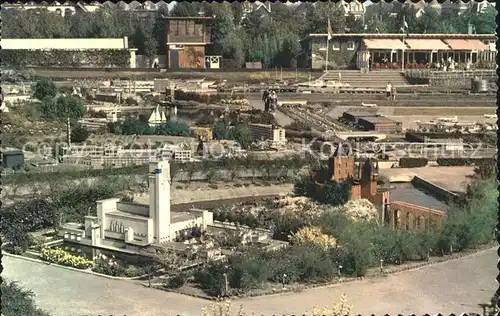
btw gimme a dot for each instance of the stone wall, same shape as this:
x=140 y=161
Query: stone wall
x=440 y=192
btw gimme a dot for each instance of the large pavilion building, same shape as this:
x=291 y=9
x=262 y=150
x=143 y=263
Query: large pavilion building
x=352 y=51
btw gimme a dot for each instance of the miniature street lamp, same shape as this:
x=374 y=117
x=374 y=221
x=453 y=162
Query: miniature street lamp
x=283 y=280
x=381 y=265
x=339 y=270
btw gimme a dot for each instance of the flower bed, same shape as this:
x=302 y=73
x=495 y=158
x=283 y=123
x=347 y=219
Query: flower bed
x=64 y=258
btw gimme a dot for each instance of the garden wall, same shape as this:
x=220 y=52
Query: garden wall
x=435 y=189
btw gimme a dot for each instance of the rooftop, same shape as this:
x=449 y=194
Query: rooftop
x=362 y=113
x=409 y=194
x=377 y=119
x=399 y=35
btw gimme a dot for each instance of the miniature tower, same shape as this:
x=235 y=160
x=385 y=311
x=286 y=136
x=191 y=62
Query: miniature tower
x=159 y=200
x=341 y=164
x=368 y=180
x=68 y=132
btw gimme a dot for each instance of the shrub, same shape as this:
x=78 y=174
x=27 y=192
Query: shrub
x=44 y=88
x=177 y=281
x=18 y=301
x=408 y=162
x=108 y=266
x=313 y=236
x=131 y=271
x=466 y=162
x=211 y=279
x=64 y=258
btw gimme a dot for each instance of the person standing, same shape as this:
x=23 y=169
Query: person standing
x=393 y=93
x=388 y=90
x=370 y=63
x=265 y=98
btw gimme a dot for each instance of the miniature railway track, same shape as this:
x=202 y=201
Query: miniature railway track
x=314 y=120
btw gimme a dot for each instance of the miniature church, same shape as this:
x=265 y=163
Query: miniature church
x=134 y=226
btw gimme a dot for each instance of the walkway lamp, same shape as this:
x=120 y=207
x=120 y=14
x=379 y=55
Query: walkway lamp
x=381 y=265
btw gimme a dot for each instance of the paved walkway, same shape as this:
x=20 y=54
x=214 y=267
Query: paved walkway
x=455 y=286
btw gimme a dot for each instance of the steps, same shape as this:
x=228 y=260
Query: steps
x=372 y=79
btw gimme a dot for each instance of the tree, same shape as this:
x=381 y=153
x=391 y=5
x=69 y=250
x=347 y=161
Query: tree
x=79 y=134
x=484 y=23
x=44 y=88
x=62 y=107
x=173 y=128
x=18 y=301
x=242 y=134
x=335 y=193
x=304 y=186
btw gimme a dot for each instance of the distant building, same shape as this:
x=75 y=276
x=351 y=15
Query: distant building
x=12 y=158
x=70 y=44
x=352 y=51
x=268 y=132
x=380 y=124
x=186 y=41
x=355 y=8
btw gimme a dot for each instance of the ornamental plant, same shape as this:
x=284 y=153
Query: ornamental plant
x=64 y=258
x=313 y=236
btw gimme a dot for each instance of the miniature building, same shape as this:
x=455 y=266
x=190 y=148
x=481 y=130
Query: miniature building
x=186 y=39
x=268 y=132
x=364 y=186
x=380 y=124
x=139 y=226
x=12 y=158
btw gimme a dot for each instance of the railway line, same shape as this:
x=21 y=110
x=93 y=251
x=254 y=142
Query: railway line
x=314 y=120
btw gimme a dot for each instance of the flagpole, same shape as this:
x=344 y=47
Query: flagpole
x=326 y=61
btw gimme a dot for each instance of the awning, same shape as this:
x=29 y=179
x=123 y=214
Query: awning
x=387 y=44
x=466 y=44
x=426 y=44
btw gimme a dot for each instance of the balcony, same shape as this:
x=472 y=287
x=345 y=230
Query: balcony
x=173 y=39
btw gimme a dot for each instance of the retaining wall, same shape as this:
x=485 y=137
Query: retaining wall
x=440 y=192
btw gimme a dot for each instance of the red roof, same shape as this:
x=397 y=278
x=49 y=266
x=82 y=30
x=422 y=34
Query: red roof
x=426 y=44
x=466 y=44
x=384 y=44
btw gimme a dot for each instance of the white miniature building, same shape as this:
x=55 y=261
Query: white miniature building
x=137 y=226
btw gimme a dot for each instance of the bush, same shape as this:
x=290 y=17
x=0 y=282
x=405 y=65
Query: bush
x=18 y=301
x=64 y=258
x=79 y=134
x=44 y=88
x=466 y=162
x=211 y=279
x=108 y=266
x=131 y=271
x=408 y=162
x=177 y=281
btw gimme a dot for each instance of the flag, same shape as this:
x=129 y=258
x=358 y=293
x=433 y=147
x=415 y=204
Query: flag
x=330 y=32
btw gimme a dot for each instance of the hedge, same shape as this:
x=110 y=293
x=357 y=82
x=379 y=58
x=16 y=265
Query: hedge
x=64 y=58
x=64 y=258
x=191 y=167
x=409 y=162
x=465 y=161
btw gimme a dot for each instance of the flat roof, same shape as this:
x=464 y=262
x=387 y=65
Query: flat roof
x=361 y=113
x=64 y=43
x=377 y=119
x=187 y=17
x=400 y=36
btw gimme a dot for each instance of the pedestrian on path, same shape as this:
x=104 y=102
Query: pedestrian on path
x=388 y=90
x=393 y=93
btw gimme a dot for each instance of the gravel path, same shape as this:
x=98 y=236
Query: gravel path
x=454 y=286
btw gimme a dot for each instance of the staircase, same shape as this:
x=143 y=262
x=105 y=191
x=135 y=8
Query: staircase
x=372 y=79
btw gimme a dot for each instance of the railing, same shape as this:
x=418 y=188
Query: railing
x=437 y=74
x=189 y=39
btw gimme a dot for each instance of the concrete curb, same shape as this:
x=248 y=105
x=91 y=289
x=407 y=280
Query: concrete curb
x=87 y=271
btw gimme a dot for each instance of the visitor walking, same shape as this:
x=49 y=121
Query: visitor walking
x=393 y=93
x=265 y=98
x=388 y=90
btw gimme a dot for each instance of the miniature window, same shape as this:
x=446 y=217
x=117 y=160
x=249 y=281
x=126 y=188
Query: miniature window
x=350 y=45
x=335 y=45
